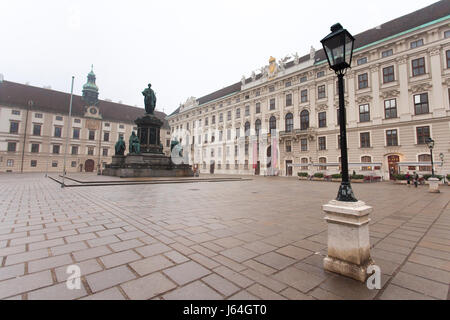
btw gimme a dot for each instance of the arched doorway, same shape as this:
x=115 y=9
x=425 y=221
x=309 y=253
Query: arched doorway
x=393 y=161
x=89 y=165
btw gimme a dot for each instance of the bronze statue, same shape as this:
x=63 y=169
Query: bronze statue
x=134 y=144
x=149 y=100
x=120 y=147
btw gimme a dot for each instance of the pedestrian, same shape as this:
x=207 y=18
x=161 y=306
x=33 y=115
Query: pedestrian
x=416 y=179
x=408 y=179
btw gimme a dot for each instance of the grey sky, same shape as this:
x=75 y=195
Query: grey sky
x=184 y=48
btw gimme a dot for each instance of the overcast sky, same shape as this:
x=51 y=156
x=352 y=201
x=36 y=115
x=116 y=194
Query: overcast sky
x=184 y=48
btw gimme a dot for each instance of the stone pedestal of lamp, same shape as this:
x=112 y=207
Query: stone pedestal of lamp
x=348 y=239
x=434 y=185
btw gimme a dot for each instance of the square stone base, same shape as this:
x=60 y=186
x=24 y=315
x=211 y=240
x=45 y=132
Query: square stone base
x=351 y=270
x=434 y=185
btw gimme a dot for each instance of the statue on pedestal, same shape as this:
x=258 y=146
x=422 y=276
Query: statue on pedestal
x=134 y=144
x=120 y=147
x=149 y=100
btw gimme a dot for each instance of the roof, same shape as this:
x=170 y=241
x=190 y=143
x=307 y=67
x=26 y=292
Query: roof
x=417 y=18
x=18 y=95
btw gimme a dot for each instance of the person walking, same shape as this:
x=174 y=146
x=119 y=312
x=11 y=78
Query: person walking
x=408 y=179
x=416 y=179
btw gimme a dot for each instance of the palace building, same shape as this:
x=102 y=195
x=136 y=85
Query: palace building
x=34 y=124
x=283 y=119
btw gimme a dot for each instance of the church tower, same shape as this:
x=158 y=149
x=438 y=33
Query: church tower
x=90 y=90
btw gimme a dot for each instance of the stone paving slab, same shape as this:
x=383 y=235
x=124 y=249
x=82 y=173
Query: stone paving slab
x=263 y=238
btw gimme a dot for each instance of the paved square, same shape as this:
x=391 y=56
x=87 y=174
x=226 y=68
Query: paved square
x=263 y=238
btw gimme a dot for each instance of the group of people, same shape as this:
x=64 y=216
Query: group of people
x=414 y=177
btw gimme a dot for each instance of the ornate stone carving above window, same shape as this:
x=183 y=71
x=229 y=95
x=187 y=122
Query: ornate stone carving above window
x=422 y=87
x=322 y=107
x=434 y=51
x=402 y=59
x=364 y=99
x=389 y=94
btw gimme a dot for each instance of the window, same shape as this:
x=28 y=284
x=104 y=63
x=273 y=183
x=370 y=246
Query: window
x=77 y=120
x=322 y=119
x=238 y=132
x=447 y=53
x=91 y=151
x=363 y=81
x=228 y=116
x=74 y=150
x=364 y=113
x=324 y=161
x=257 y=93
x=220 y=135
x=37 y=129
x=422 y=134
x=247 y=97
x=38 y=115
x=425 y=158
x=228 y=134
x=76 y=133
x=361 y=61
x=304 y=162
x=247 y=129
x=364 y=138
x=289 y=122
x=303 y=79
x=238 y=114
x=58 y=132
x=272 y=124
x=304 y=144
x=447 y=34
x=304 y=95
x=58 y=118
x=105 y=152
x=366 y=159
x=56 y=148
x=73 y=164
x=304 y=120
x=421 y=103
x=120 y=135
x=417 y=43
x=289 y=100
x=387 y=53
x=213 y=119
x=418 y=67
x=322 y=143
x=288 y=146
x=91 y=135
x=271 y=88
x=15 y=112
x=10 y=163
x=206 y=121
x=272 y=104
x=320 y=74
x=14 y=127
x=321 y=91
x=35 y=147
x=390 y=108
x=236 y=151
x=220 y=118
x=257 y=127
x=121 y=126
x=106 y=136
x=107 y=124
x=287 y=84
x=247 y=111
x=54 y=164
x=391 y=138
x=12 y=146
x=206 y=138
x=33 y=163
x=388 y=74
x=246 y=149
x=258 y=108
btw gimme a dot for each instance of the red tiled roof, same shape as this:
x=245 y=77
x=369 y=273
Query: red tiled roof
x=47 y=100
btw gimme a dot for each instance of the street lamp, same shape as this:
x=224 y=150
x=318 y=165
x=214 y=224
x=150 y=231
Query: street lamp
x=430 y=144
x=338 y=46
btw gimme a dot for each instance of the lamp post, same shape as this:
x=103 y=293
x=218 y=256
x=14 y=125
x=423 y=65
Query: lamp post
x=346 y=217
x=430 y=144
x=441 y=156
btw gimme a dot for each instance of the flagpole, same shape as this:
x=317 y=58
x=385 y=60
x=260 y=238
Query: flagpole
x=68 y=132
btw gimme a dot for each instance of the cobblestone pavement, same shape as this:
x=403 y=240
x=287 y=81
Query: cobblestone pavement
x=258 y=239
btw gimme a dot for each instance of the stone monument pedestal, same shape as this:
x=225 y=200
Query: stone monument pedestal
x=434 y=185
x=151 y=162
x=348 y=239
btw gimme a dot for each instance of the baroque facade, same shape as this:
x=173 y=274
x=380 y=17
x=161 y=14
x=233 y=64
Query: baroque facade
x=284 y=120
x=34 y=124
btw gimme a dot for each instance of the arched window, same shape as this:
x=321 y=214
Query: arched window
x=247 y=129
x=425 y=158
x=304 y=162
x=323 y=160
x=366 y=159
x=257 y=126
x=289 y=122
x=272 y=124
x=304 y=120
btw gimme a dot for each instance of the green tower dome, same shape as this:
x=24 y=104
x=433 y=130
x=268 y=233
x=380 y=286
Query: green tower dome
x=90 y=89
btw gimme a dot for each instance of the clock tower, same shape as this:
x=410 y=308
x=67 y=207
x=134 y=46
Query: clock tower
x=90 y=96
